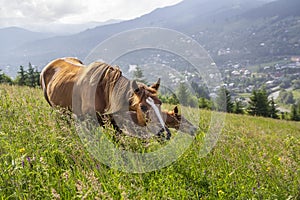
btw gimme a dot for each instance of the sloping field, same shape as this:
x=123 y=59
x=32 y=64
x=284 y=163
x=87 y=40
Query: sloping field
x=42 y=157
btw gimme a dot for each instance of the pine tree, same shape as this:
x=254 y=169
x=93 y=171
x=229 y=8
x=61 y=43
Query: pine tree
x=37 y=77
x=273 y=109
x=295 y=112
x=259 y=103
x=253 y=105
x=21 y=78
x=223 y=101
x=229 y=104
x=30 y=81
x=263 y=103
x=138 y=75
x=183 y=94
x=295 y=115
x=238 y=107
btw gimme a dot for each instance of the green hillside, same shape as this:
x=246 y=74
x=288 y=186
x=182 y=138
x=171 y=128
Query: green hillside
x=42 y=157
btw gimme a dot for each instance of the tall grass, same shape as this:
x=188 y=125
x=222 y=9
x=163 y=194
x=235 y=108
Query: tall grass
x=42 y=157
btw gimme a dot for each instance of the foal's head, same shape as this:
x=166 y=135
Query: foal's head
x=174 y=120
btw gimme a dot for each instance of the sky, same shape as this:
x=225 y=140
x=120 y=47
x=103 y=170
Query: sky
x=40 y=13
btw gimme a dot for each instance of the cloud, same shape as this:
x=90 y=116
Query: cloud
x=33 y=13
x=117 y=9
x=18 y=12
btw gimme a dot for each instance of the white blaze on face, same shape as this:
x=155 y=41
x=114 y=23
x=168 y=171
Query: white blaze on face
x=150 y=101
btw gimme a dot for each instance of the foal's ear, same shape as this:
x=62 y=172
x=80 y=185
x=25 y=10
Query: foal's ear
x=156 y=85
x=135 y=87
x=175 y=110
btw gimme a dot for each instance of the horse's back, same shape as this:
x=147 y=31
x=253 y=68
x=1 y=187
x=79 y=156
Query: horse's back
x=57 y=80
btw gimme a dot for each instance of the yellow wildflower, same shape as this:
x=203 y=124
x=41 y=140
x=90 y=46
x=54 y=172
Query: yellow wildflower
x=22 y=150
x=279 y=159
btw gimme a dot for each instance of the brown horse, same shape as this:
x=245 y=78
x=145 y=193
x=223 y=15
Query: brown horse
x=99 y=88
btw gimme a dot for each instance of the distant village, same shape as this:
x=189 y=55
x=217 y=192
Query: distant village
x=241 y=80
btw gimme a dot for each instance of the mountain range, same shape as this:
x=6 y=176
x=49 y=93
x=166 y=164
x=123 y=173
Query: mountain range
x=240 y=31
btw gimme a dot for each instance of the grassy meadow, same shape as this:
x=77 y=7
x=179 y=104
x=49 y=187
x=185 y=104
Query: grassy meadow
x=42 y=157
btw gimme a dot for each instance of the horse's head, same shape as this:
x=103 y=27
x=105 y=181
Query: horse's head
x=174 y=120
x=138 y=100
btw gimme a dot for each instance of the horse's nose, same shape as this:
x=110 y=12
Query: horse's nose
x=193 y=131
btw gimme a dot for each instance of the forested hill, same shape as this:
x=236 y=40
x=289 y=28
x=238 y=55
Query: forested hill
x=244 y=32
x=279 y=9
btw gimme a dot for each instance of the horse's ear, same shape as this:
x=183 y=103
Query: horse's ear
x=175 y=110
x=156 y=85
x=135 y=87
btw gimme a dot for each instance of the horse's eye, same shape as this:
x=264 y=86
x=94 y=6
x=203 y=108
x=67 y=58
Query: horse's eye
x=159 y=102
x=144 y=108
x=137 y=90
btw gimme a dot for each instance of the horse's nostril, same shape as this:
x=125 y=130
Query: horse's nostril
x=144 y=108
x=193 y=130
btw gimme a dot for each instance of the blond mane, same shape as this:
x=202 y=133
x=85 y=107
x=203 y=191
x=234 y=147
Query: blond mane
x=116 y=88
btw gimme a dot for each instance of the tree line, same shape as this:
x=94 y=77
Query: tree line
x=29 y=77
x=258 y=104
